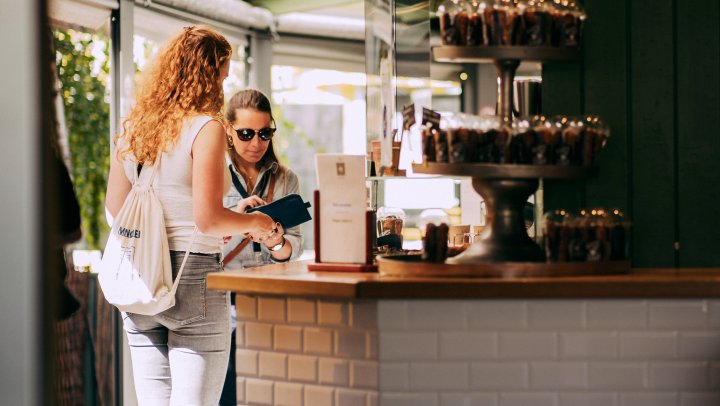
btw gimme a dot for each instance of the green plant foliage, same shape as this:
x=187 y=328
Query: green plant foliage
x=83 y=69
x=287 y=131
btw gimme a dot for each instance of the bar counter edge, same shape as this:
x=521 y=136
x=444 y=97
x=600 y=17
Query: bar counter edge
x=294 y=279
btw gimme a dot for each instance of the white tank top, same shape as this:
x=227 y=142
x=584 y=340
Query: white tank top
x=173 y=187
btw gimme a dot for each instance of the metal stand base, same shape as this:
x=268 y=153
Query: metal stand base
x=505 y=239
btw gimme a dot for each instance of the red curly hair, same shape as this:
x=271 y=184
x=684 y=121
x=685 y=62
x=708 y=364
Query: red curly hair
x=182 y=82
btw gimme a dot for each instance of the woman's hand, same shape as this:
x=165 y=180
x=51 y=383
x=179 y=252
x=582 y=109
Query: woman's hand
x=263 y=225
x=250 y=202
x=275 y=238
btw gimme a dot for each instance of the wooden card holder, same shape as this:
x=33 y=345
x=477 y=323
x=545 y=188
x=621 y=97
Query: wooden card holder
x=318 y=266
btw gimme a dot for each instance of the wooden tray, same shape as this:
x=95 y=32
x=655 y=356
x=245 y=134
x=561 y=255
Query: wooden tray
x=488 y=54
x=506 y=171
x=411 y=265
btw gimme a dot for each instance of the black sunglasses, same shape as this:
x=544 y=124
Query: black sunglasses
x=247 y=134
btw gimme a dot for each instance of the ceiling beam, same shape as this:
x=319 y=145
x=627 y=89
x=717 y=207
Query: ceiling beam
x=293 y=6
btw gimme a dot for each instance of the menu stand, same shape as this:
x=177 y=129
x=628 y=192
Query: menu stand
x=318 y=266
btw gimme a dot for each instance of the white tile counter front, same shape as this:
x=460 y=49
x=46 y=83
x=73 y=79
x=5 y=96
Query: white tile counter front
x=304 y=351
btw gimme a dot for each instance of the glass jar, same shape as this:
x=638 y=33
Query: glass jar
x=523 y=141
x=453 y=16
x=434 y=216
x=618 y=226
x=568 y=20
x=594 y=137
x=458 y=139
x=537 y=23
x=552 y=226
x=502 y=19
x=390 y=222
x=477 y=28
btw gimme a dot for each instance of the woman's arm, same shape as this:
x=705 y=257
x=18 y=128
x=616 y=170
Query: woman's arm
x=208 y=153
x=293 y=236
x=117 y=189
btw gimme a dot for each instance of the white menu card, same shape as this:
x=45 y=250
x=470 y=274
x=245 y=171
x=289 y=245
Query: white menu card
x=341 y=182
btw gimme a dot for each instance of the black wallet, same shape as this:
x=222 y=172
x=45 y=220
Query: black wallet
x=289 y=210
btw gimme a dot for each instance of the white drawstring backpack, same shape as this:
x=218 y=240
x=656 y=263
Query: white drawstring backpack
x=136 y=272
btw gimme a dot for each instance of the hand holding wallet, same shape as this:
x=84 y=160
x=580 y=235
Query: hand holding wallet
x=289 y=210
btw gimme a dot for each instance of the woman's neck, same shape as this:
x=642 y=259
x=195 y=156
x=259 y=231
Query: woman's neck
x=248 y=170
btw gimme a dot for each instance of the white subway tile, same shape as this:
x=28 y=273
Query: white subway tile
x=499 y=375
x=528 y=345
x=246 y=307
x=302 y=368
x=333 y=371
x=371 y=351
x=714 y=313
x=318 y=340
x=240 y=390
x=497 y=314
x=648 y=345
x=588 y=399
x=528 y=399
x=468 y=345
x=258 y=335
x=246 y=362
x=364 y=374
x=272 y=365
x=616 y=375
x=350 y=343
x=364 y=314
x=558 y=375
x=332 y=313
x=372 y=399
x=259 y=392
x=468 y=399
x=408 y=399
x=392 y=314
x=301 y=311
x=240 y=334
x=271 y=309
x=591 y=345
x=556 y=313
x=319 y=396
x=408 y=346
x=678 y=314
x=288 y=338
x=715 y=375
x=679 y=375
x=700 y=399
x=440 y=376
x=648 y=399
x=350 y=397
x=437 y=314
x=616 y=314
x=288 y=394
x=394 y=377
x=700 y=345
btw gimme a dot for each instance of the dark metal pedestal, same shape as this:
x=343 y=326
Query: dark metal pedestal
x=505 y=188
x=505 y=239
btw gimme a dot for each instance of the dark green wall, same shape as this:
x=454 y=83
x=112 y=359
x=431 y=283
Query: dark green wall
x=651 y=69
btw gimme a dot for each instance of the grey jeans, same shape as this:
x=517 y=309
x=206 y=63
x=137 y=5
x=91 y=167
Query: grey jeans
x=180 y=356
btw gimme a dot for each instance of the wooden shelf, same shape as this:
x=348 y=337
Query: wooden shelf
x=506 y=171
x=490 y=54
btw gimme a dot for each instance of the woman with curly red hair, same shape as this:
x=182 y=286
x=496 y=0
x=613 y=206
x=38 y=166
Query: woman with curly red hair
x=180 y=355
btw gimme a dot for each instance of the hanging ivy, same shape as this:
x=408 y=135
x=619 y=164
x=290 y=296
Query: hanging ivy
x=83 y=70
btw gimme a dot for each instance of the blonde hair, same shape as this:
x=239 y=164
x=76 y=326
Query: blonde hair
x=182 y=82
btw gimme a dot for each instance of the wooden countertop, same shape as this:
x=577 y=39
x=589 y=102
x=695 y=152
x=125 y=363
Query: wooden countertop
x=293 y=279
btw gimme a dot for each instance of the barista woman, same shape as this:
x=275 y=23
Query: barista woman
x=258 y=178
